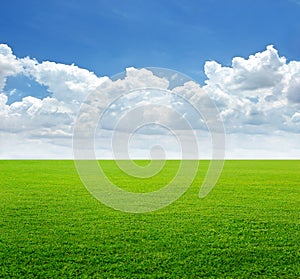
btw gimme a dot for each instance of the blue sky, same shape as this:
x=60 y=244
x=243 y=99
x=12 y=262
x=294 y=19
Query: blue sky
x=245 y=55
x=108 y=36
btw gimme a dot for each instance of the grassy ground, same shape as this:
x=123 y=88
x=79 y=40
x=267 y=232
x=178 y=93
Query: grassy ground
x=247 y=227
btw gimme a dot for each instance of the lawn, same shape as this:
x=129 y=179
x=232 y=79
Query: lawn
x=247 y=227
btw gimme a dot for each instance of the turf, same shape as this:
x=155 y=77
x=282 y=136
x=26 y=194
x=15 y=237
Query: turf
x=247 y=227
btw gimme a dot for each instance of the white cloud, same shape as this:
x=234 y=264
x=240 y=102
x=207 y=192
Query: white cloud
x=258 y=73
x=258 y=98
x=293 y=89
x=9 y=64
x=262 y=91
x=65 y=82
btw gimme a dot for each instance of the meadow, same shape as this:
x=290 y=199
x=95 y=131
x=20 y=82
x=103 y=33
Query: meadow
x=247 y=227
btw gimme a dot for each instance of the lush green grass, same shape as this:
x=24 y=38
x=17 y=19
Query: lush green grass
x=247 y=227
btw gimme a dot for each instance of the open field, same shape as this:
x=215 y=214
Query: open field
x=247 y=227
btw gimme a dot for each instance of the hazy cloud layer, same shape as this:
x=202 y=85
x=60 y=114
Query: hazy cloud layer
x=258 y=98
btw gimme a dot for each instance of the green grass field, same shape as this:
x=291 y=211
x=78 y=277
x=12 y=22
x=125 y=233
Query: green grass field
x=247 y=227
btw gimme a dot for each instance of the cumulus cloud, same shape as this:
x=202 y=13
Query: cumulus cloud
x=9 y=64
x=261 y=72
x=258 y=98
x=66 y=82
x=293 y=88
x=262 y=91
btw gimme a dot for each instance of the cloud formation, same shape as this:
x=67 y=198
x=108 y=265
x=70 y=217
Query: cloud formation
x=9 y=64
x=258 y=98
x=259 y=94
